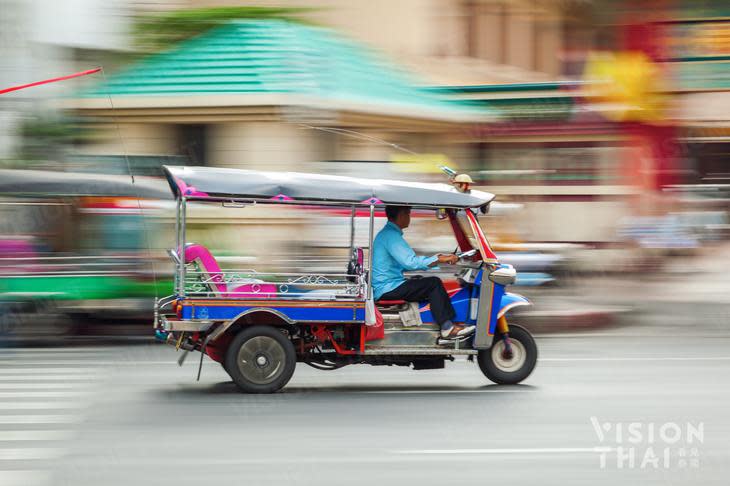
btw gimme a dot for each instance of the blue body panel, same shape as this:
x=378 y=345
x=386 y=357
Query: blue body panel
x=320 y=312
x=460 y=301
x=509 y=299
x=499 y=293
x=342 y=312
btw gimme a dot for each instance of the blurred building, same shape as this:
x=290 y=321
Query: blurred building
x=248 y=93
x=437 y=42
x=35 y=44
x=503 y=88
x=697 y=56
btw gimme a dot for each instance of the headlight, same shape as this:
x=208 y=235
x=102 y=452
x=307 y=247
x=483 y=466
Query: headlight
x=504 y=275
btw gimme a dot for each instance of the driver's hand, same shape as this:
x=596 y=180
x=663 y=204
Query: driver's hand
x=450 y=258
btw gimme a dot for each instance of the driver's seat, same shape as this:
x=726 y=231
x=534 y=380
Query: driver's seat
x=390 y=303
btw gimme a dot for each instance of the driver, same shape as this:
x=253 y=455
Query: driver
x=392 y=256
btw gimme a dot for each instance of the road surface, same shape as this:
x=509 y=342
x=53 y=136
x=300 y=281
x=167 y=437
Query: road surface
x=126 y=414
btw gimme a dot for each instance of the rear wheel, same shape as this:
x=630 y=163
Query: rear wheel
x=504 y=369
x=260 y=359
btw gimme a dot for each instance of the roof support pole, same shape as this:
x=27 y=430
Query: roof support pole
x=352 y=230
x=181 y=274
x=370 y=317
x=370 y=252
x=178 y=245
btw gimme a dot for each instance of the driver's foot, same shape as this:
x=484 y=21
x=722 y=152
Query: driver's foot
x=456 y=331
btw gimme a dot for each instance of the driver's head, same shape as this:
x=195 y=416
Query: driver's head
x=399 y=215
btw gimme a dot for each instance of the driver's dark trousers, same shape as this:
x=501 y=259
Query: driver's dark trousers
x=426 y=288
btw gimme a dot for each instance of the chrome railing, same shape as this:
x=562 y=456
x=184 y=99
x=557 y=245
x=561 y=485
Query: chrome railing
x=253 y=284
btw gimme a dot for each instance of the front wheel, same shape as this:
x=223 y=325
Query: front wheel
x=260 y=359
x=509 y=370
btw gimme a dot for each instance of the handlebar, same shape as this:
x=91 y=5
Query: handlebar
x=466 y=254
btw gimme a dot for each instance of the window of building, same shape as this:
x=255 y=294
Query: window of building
x=193 y=143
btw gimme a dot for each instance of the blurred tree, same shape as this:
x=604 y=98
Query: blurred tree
x=159 y=31
x=47 y=138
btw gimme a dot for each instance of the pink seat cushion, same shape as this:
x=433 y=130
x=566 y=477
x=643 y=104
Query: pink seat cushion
x=208 y=265
x=213 y=274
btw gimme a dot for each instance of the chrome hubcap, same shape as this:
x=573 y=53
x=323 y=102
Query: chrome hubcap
x=503 y=361
x=261 y=360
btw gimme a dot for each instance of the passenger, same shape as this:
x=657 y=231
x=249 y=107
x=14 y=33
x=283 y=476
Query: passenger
x=392 y=256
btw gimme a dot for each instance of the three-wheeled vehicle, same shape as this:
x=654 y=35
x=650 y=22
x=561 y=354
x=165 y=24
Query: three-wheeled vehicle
x=258 y=325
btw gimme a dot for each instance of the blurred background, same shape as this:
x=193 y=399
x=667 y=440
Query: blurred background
x=602 y=127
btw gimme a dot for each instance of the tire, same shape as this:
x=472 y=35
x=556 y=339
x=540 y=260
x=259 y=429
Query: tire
x=515 y=370
x=260 y=359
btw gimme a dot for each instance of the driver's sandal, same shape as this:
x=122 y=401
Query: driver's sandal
x=457 y=331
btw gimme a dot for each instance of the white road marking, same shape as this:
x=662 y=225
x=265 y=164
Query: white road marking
x=43 y=394
x=25 y=478
x=72 y=349
x=522 y=450
x=40 y=378
x=65 y=362
x=91 y=363
x=15 y=405
x=50 y=355
x=40 y=419
x=387 y=457
x=22 y=391
x=419 y=392
x=13 y=435
x=74 y=371
x=12 y=360
x=30 y=453
x=44 y=386
x=643 y=358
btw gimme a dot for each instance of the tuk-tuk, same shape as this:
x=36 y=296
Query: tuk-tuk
x=260 y=324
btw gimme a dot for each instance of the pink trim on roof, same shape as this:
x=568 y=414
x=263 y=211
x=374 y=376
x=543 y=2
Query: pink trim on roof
x=186 y=190
x=372 y=200
x=281 y=197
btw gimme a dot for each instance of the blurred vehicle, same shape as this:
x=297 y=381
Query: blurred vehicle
x=73 y=245
x=258 y=325
x=706 y=214
x=665 y=233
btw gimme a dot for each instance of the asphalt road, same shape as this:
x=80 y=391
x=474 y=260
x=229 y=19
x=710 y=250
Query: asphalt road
x=126 y=414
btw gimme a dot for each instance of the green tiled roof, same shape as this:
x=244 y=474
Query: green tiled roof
x=276 y=56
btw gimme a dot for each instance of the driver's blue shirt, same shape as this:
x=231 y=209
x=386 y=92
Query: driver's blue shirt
x=391 y=257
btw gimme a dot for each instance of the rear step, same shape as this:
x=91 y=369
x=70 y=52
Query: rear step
x=409 y=337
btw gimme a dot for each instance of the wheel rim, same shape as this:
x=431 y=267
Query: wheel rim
x=261 y=360
x=518 y=359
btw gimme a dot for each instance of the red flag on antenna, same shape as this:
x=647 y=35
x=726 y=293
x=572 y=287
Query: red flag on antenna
x=52 y=80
